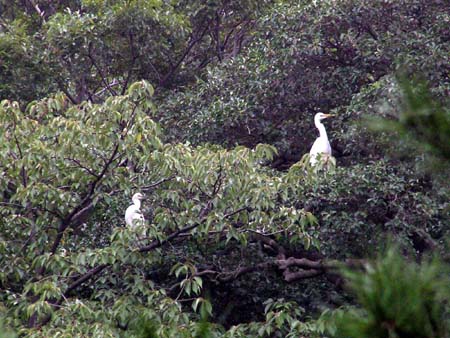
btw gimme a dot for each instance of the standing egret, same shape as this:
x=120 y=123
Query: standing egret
x=321 y=145
x=133 y=214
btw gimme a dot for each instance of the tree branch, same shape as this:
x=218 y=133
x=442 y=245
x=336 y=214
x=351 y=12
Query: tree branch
x=114 y=83
x=303 y=263
x=158 y=243
x=302 y=274
x=192 y=43
x=65 y=223
x=65 y=91
x=56 y=303
x=100 y=72
x=154 y=185
x=133 y=60
x=232 y=275
x=80 y=165
x=88 y=275
x=218 y=182
x=23 y=172
x=281 y=252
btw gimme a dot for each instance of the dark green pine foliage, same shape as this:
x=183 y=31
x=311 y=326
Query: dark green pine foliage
x=425 y=119
x=400 y=299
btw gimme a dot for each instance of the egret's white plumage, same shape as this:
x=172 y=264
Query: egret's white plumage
x=321 y=145
x=133 y=214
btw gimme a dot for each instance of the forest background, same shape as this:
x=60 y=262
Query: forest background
x=207 y=107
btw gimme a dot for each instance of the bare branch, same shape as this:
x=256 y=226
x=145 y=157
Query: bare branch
x=157 y=243
x=65 y=91
x=193 y=41
x=218 y=182
x=23 y=172
x=232 y=213
x=322 y=264
x=202 y=215
x=100 y=72
x=80 y=165
x=133 y=60
x=302 y=274
x=302 y=263
x=281 y=252
x=114 y=83
x=88 y=275
x=232 y=275
x=154 y=185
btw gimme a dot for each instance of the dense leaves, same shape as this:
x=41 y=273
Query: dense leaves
x=93 y=49
x=399 y=300
x=198 y=105
x=71 y=162
x=305 y=58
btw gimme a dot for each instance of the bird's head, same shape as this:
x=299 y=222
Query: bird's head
x=138 y=196
x=321 y=116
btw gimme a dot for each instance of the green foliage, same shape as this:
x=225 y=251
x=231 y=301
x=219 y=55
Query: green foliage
x=58 y=195
x=359 y=207
x=5 y=331
x=308 y=57
x=398 y=299
x=93 y=49
x=222 y=225
x=423 y=124
x=22 y=73
x=282 y=319
x=425 y=120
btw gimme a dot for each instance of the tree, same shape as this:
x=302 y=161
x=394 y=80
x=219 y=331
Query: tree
x=399 y=299
x=59 y=194
x=93 y=49
x=234 y=247
x=305 y=58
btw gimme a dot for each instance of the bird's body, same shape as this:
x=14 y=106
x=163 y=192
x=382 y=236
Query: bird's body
x=321 y=146
x=133 y=214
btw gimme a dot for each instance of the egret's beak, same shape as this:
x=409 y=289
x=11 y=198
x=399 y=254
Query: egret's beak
x=328 y=115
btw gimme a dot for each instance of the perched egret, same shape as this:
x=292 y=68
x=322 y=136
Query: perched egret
x=134 y=213
x=321 y=145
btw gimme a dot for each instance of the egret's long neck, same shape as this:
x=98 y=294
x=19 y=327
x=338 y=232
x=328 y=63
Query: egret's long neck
x=321 y=127
x=137 y=202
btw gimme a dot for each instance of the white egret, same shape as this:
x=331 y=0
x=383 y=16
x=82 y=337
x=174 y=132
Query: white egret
x=321 y=146
x=133 y=214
